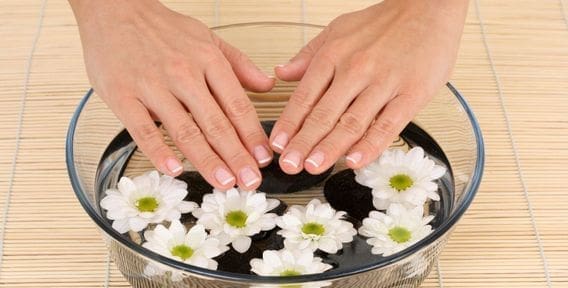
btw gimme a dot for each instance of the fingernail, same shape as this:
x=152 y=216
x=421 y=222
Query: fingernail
x=223 y=176
x=248 y=176
x=354 y=157
x=271 y=77
x=281 y=65
x=316 y=159
x=174 y=165
x=280 y=141
x=292 y=158
x=261 y=154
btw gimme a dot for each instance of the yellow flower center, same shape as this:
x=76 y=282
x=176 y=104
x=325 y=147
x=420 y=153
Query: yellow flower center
x=290 y=272
x=236 y=218
x=313 y=228
x=182 y=251
x=399 y=234
x=401 y=182
x=147 y=204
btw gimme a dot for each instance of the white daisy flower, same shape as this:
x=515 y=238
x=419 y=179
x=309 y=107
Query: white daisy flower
x=149 y=198
x=233 y=216
x=316 y=226
x=193 y=247
x=398 y=177
x=288 y=262
x=396 y=230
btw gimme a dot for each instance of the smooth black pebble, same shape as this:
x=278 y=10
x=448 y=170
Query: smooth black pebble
x=274 y=180
x=345 y=194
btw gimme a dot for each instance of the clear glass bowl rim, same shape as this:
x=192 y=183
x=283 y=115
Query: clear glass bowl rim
x=469 y=194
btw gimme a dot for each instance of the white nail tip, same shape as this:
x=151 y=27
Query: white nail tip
x=278 y=146
x=252 y=182
x=312 y=162
x=290 y=162
x=265 y=160
x=228 y=181
x=350 y=160
x=177 y=169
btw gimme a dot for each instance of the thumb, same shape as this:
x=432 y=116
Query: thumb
x=294 y=70
x=250 y=76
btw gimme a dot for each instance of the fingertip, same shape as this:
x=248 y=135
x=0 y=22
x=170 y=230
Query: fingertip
x=291 y=162
x=173 y=167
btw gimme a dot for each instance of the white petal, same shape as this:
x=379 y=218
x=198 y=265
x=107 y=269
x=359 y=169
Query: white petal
x=241 y=244
x=328 y=245
x=196 y=236
x=121 y=225
x=187 y=206
x=137 y=224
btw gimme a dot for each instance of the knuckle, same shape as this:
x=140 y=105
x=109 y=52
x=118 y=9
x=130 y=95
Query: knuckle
x=217 y=126
x=147 y=133
x=239 y=158
x=383 y=128
x=254 y=136
x=206 y=161
x=329 y=147
x=177 y=68
x=321 y=118
x=301 y=98
x=239 y=107
x=187 y=132
x=302 y=143
x=286 y=124
x=351 y=124
x=369 y=144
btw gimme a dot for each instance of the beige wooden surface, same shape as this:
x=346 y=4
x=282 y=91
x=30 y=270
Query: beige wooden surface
x=512 y=68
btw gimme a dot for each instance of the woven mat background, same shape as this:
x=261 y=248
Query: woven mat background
x=512 y=68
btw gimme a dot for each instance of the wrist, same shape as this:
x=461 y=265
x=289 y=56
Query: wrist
x=84 y=10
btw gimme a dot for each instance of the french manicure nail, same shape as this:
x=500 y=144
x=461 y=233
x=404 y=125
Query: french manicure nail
x=261 y=154
x=292 y=158
x=174 y=165
x=354 y=157
x=223 y=176
x=316 y=159
x=280 y=141
x=248 y=176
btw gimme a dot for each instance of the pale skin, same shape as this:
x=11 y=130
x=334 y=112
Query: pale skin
x=361 y=80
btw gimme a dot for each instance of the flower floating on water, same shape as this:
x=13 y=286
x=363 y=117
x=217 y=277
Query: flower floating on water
x=193 y=247
x=235 y=215
x=288 y=262
x=149 y=198
x=316 y=226
x=398 y=177
x=396 y=230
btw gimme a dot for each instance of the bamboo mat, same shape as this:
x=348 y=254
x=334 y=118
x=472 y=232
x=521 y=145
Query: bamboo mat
x=512 y=68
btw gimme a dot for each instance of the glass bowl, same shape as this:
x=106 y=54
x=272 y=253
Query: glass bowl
x=93 y=166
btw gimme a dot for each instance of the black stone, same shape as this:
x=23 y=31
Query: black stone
x=345 y=194
x=354 y=254
x=197 y=186
x=274 y=180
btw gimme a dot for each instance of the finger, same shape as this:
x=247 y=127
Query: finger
x=192 y=143
x=136 y=118
x=320 y=121
x=249 y=75
x=240 y=111
x=294 y=70
x=390 y=122
x=219 y=132
x=349 y=129
x=309 y=90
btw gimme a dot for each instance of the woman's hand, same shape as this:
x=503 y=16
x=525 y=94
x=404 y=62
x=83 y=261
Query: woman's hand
x=150 y=63
x=363 y=79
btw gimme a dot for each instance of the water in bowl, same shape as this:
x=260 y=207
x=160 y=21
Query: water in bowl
x=122 y=158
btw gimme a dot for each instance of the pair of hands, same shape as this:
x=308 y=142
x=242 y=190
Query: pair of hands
x=362 y=79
